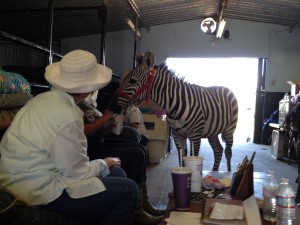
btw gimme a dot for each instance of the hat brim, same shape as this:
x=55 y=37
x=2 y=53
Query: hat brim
x=101 y=78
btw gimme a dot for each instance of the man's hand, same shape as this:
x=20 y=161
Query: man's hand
x=113 y=161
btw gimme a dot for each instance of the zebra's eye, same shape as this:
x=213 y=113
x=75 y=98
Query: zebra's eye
x=132 y=81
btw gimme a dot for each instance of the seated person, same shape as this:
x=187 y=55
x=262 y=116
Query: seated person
x=107 y=130
x=134 y=117
x=132 y=155
x=44 y=151
x=132 y=126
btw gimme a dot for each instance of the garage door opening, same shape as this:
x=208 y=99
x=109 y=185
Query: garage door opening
x=238 y=74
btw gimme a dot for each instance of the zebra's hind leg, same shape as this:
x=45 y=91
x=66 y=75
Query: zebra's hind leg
x=218 y=151
x=228 y=149
x=228 y=155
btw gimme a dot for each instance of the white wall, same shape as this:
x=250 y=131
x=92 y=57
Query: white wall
x=185 y=39
x=284 y=58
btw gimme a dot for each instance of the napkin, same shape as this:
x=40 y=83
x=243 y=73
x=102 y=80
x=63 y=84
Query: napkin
x=179 y=218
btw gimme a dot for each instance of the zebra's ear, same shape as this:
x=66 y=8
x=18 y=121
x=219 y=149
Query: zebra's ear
x=139 y=59
x=149 y=58
x=146 y=59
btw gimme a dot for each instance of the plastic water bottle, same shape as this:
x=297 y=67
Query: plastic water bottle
x=285 y=203
x=269 y=192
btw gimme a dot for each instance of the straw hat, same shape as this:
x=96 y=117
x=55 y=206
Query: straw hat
x=78 y=72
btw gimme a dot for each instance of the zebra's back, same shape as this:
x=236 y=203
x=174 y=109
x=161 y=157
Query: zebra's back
x=210 y=111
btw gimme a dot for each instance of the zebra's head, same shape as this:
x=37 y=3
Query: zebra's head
x=135 y=86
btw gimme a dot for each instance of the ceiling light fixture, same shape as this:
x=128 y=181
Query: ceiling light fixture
x=132 y=26
x=208 y=25
x=221 y=27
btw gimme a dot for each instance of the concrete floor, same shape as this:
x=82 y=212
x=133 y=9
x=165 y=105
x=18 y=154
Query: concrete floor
x=159 y=177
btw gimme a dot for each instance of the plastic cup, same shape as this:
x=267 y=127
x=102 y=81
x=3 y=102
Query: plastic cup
x=181 y=177
x=196 y=164
x=196 y=185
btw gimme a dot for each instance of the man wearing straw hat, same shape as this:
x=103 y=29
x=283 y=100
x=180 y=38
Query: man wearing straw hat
x=43 y=153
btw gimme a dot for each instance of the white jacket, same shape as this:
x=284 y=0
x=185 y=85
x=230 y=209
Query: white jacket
x=44 y=151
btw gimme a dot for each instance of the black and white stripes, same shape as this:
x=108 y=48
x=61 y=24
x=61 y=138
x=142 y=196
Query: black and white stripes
x=193 y=111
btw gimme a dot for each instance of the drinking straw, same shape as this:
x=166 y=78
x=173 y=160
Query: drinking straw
x=192 y=148
x=180 y=157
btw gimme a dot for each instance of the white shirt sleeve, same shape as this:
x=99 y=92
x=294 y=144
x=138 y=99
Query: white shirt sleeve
x=69 y=152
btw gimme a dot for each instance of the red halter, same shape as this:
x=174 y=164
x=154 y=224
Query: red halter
x=147 y=86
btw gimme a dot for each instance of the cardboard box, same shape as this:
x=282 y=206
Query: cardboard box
x=157 y=150
x=158 y=137
x=156 y=127
x=295 y=86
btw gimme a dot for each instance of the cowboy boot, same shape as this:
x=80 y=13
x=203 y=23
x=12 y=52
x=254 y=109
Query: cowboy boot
x=141 y=217
x=148 y=207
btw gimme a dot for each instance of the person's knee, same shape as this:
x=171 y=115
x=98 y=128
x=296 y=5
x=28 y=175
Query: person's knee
x=132 y=191
x=117 y=172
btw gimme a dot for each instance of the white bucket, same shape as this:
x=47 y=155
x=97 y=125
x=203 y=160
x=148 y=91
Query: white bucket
x=196 y=185
x=196 y=164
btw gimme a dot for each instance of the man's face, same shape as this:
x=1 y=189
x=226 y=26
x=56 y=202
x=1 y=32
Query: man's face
x=80 y=97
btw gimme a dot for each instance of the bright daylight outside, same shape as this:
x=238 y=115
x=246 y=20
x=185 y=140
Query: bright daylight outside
x=238 y=74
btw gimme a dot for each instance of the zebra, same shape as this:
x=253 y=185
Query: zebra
x=192 y=111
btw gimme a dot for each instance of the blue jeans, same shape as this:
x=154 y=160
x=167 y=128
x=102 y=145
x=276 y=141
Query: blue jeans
x=115 y=206
x=116 y=172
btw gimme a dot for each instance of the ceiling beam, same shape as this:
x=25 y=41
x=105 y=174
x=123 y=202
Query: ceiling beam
x=138 y=13
x=29 y=43
x=220 y=21
x=46 y=9
x=222 y=6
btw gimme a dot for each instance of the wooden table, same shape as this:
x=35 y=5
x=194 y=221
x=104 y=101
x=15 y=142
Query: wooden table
x=258 y=178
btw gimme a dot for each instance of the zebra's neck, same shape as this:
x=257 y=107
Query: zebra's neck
x=169 y=92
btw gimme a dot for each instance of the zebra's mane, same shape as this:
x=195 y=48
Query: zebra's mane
x=171 y=73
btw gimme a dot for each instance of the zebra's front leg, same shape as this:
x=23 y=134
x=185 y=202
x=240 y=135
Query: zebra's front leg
x=195 y=146
x=218 y=151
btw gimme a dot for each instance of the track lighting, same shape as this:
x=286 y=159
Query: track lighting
x=221 y=27
x=132 y=26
